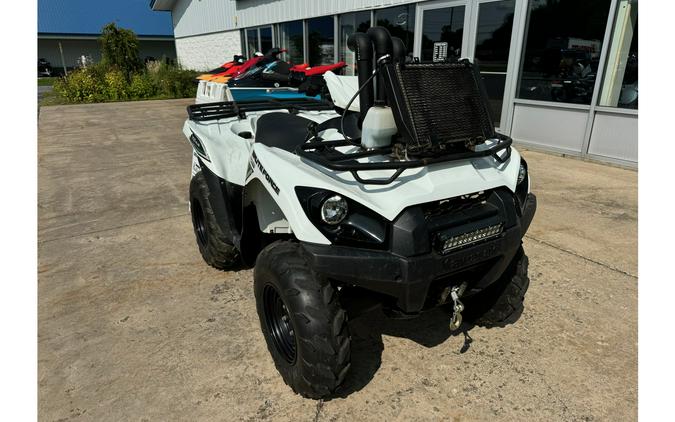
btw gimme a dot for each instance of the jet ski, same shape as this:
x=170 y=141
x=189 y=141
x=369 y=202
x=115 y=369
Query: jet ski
x=236 y=62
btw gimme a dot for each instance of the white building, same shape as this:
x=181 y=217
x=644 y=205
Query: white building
x=561 y=74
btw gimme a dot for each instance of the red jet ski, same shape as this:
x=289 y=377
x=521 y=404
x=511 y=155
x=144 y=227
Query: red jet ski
x=257 y=60
x=279 y=73
x=235 y=63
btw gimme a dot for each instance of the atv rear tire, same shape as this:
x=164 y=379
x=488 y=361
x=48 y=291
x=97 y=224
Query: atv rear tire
x=304 y=326
x=215 y=247
x=504 y=298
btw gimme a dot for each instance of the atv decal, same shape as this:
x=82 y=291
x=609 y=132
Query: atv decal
x=195 y=164
x=198 y=147
x=255 y=162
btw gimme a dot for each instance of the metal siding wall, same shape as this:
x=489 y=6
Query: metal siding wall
x=207 y=16
x=615 y=136
x=203 y=17
x=556 y=128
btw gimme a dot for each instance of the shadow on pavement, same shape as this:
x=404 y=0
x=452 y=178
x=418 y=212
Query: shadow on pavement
x=430 y=329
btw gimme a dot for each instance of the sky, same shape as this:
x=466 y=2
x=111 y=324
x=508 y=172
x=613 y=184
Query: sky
x=89 y=16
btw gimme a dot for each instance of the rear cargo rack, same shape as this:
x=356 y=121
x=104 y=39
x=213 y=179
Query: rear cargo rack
x=324 y=153
x=221 y=110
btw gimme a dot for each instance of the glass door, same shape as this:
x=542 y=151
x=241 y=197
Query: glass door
x=492 y=25
x=477 y=29
x=259 y=40
x=251 y=42
x=291 y=35
x=442 y=24
x=349 y=24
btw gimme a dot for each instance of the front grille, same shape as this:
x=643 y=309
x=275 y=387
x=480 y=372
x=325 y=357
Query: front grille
x=454 y=205
x=462 y=221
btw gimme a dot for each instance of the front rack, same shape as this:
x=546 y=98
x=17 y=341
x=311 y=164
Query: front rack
x=323 y=153
x=221 y=110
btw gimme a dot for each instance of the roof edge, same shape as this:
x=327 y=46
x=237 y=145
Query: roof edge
x=59 y=35
x=162 y=5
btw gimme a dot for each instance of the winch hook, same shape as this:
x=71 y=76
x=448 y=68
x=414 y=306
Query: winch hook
x=458 y=306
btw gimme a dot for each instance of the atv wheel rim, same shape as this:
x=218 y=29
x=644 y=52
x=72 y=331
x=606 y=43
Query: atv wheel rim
x=278 y=324
x=200 y=224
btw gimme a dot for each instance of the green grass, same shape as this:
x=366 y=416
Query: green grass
x=52 y=98
x=47 y=81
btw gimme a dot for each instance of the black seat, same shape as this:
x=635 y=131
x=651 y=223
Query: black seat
x=350 y=125
x=281 y=130
x=282 y=67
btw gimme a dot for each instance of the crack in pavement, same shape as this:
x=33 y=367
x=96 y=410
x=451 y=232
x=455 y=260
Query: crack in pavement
x=593 y=261
x=113 y=228
x=319 y=408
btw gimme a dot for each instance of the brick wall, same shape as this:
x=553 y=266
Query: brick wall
x=204 y=52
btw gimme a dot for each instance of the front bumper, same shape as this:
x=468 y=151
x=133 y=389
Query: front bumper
x=409 y=279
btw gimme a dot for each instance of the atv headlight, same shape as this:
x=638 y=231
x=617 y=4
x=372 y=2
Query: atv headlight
x=522 y=173
x=523 y=185
x=342 y=220
x=334 y=210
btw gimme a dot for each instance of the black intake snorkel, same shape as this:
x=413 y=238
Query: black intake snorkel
x=399 y=52
x=383 y=48
x=361 y=45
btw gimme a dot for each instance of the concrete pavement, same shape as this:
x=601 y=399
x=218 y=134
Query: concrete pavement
x=134 y=326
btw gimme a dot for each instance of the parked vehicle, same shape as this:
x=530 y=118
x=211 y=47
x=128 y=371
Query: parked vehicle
x=237 y=67
x=44 y=68
x=407 y=199
x=224 y=69
x=280 y=73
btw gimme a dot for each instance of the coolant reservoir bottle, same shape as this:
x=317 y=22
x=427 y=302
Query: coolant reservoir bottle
x=378 y=127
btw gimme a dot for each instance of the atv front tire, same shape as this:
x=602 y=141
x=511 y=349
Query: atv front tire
x=214 y=246
x=504 y=298
x=303 y=324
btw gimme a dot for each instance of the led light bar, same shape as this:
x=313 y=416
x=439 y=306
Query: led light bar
x=471 y=237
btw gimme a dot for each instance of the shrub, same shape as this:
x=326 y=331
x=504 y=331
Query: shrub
x=172 y=81
x=141 y=86
x=82 y=86
x=105 y=82
x=119 y=49
x=116 y=85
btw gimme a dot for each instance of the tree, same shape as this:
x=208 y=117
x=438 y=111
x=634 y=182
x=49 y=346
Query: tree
x=119 y=48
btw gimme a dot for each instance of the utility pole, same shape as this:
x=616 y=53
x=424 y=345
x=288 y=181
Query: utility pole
x=63 y=62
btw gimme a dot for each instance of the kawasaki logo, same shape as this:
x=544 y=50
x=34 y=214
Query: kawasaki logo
x=473 y=255
x=256 y=163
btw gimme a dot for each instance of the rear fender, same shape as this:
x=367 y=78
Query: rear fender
x=219 y=147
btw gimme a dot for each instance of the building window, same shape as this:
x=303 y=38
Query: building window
x=321 y=40
x=493 y=42
x=400 y=21
x=251 y=41
x=265 y=39
x=350 y=23
x=562 y=50
x=292 y=39
x=443 y=25
x=620 y=85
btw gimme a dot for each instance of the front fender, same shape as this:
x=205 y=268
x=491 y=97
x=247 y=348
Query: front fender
x=274 y=174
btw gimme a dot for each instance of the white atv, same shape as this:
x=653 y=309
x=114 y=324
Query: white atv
x=406 y=198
